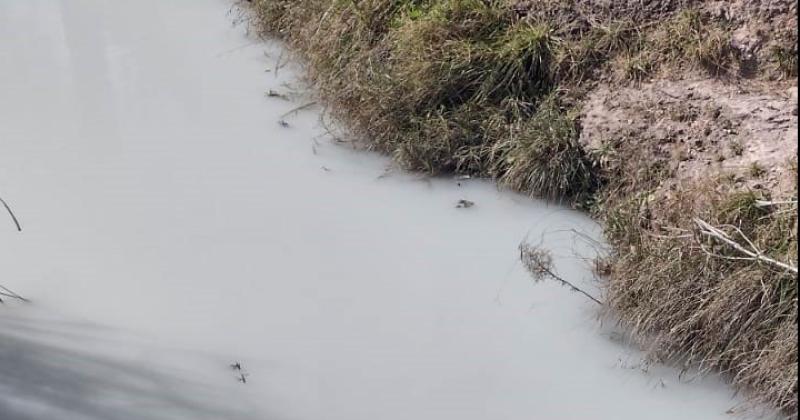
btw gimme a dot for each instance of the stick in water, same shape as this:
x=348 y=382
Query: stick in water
x=13 y=217
x=4 y=291
x=539 y=263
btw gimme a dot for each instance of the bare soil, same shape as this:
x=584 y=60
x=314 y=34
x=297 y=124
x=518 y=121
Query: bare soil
x=700 y=129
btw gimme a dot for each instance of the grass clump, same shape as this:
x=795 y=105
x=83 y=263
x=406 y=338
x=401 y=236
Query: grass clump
x=703 y=301
x=521 y=63
x=582 y=54
x=785 y=59
x=542 y=154
x=689 y=39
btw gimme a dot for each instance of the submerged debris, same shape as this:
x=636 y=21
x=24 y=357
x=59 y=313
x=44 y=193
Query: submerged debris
x=464 y=204
x=11 y=213
x=242 y=377
x=5 y=292
x=275 y=94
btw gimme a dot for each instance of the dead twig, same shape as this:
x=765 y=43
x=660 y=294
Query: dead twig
x=4 y=291
x=539 y=263
x=13 y=217
x=298 y=109
x=282 y=119
x=240 y=47
x=764 y=203
x=752 y=253
x=278 y=64
x=329 y=131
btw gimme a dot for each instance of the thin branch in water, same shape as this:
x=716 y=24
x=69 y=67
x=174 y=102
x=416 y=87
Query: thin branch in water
x=13 y=217
x=4 y=291
x=298 y=109
x=539 y=263
x=240 y=47
x=336 y=138
x=278 y=64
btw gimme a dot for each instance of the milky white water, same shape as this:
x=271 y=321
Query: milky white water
x=171 y=227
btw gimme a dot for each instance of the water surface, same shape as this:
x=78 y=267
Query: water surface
x=172 y=226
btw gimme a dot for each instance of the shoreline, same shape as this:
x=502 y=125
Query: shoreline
x=486 y=90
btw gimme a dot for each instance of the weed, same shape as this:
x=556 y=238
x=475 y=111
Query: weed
x=737 y=148
x=689 y=38
x=785 y=59
x=637 y=67
x=542 y=155
x=756 y=170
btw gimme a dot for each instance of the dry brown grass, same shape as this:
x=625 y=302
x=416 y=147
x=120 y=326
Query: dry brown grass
x=698 y=299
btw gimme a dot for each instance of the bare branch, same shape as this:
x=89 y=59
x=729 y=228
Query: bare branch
x=754 y=253
x=298 y=109
x=763 y=203
x=539 y=263
x=9 y=294
x=13 y=217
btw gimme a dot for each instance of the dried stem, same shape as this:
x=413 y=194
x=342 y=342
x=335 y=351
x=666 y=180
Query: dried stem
x=763 y=203
x=4 y=291
x=752 y=252
x=539 y=263
x=298 y=109
x=13 y=217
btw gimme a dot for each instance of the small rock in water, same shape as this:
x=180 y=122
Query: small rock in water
x=464 y=204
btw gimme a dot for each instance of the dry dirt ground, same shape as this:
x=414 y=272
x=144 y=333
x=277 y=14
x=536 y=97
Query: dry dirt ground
x=699 y=128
